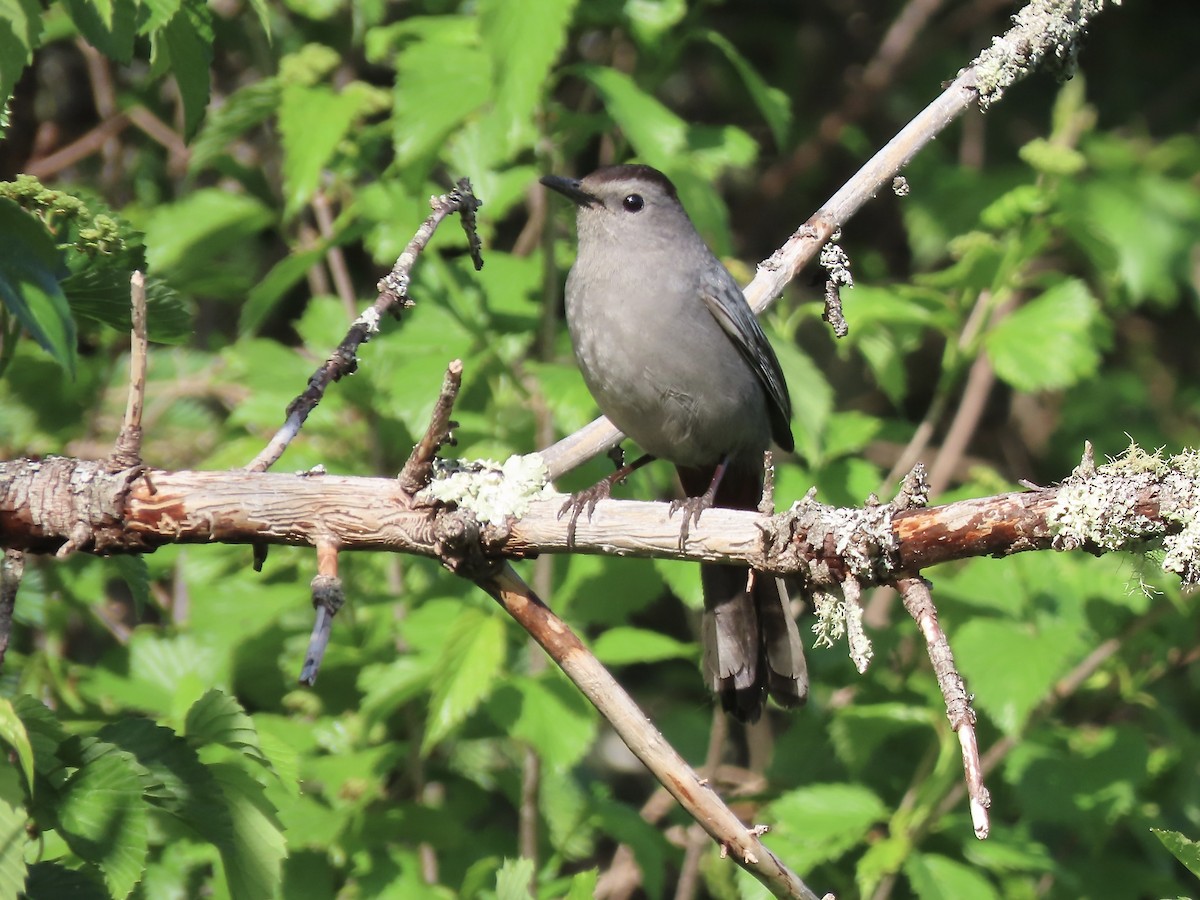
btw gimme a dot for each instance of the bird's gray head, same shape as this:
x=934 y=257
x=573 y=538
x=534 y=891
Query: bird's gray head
x=624 y=208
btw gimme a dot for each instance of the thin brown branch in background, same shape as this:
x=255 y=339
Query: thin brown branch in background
x=335 y=258
x=393 y=297
x=877 y=75
x=918 y=600
x=127 y=451
x=639 y=735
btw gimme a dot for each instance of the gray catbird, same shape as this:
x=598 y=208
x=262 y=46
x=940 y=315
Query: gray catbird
x=675 y=358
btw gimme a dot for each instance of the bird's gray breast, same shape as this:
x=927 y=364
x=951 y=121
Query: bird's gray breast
x=660 y=366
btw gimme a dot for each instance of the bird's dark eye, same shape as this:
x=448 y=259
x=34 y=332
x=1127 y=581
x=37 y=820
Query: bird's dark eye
x=633 y=203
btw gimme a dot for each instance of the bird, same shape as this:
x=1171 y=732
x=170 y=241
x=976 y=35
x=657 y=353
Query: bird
x=674 y=356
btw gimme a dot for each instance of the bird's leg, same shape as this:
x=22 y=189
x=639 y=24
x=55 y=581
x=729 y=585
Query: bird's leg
x=693 y=506
x=601 y=490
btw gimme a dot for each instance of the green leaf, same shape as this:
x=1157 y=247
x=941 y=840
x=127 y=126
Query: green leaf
x=31 y=267
x=191 y=241
x=217 y=718
x=241 y=111
x=102 y=295
x=20 y=35
x=512 y=881
x=187 y=40
x=13 y=733
x=650 y=19
x=1051 y=342
x=13 y=822
x=470 y=660
x=1011 y=666
x=313 y=121
x=103 y=816
x=548 y=714
x=174 y=779
x=819 y=823
x=440 y=81
x=627 y=645
x=284 y=275
x=1183 y=849
x=935 y=877
x=1053 y=159
x=812 y=399
x=774 y=104
x=657 y=134
x=110 y=26
x=253 y=854
x=53 y=880
x=539 y=28
x=136 y=576
x=583 y=885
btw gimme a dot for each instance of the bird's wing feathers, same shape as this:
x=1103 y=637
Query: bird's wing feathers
x=728 y=306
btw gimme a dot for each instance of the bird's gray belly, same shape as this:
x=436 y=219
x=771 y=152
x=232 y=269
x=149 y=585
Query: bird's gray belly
x=674 y=384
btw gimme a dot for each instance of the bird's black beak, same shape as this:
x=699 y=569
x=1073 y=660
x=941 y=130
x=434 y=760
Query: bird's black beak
x=571 y=189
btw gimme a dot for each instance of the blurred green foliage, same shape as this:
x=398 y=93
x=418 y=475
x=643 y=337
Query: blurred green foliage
x=266 y=164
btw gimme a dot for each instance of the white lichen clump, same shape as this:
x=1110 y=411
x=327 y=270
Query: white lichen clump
x=493 y=491
x=1099 y=507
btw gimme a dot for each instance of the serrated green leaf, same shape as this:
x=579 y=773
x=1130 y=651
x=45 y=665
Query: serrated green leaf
x=1010 y=667
x=104 y=818
x=174 y=778
x=625 y=645
x=549 y=715
x=656 y=133
x=774 y=104
x=102 y=295
x=313 y=121
x=196 y=240
x=1053 y=159
x=539 y=28
x=1014 y=207
x=1183 y=849
x=217 y=718
x=108 y=25
x=265 y=295
x=935 y=877
x=188 y=39
x=440 y=81
x=31 y=267
x=20 y=35
x=159 y=12
x=253 y=854
x=1050 y=342
x=13 y=822
x=136 y=576
x=241 y=111
x=513 y=879
x=52 y=880
x=470 y=660
x=583 y=885
x=650 y=19
x=13 y=733
x=819 y=823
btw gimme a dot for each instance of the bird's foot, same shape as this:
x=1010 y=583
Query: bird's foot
x=692 y=507
x=582 y=501
x=601 y=490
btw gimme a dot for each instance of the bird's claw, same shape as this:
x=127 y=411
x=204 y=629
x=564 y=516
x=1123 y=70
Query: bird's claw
x=582 y=501
x=692 y=507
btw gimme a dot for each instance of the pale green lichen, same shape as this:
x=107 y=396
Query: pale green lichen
x=1043 y=31
x=1098 y=506
x=493 y=491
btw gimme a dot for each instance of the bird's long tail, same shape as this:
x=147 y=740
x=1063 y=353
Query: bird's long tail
x=752 y=648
